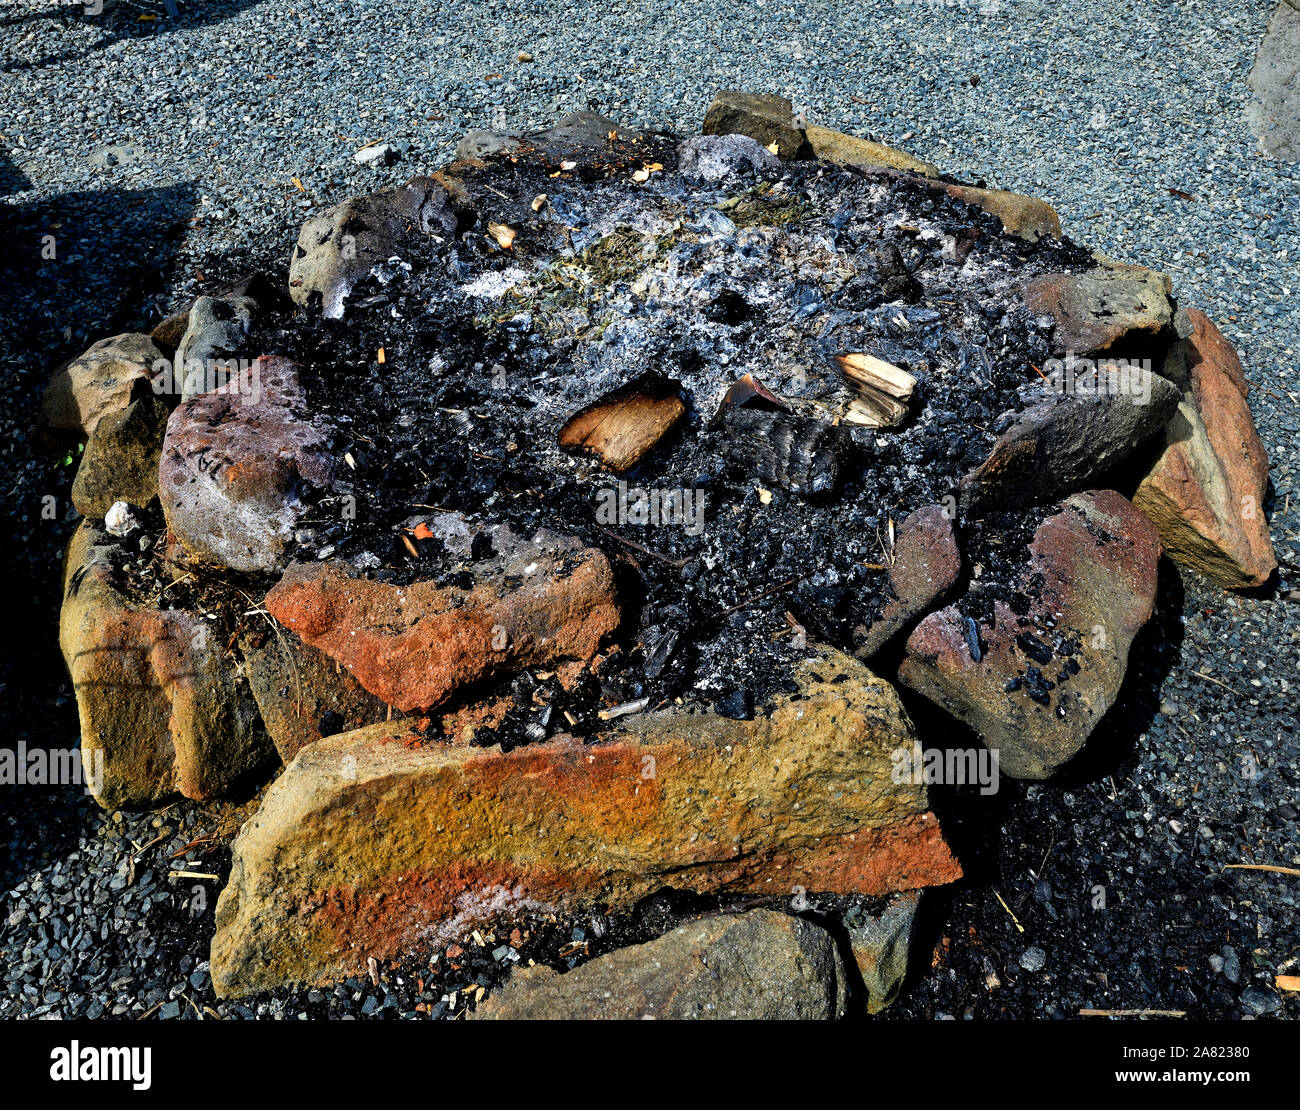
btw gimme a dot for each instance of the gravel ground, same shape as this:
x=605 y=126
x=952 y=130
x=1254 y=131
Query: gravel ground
x=159 y=152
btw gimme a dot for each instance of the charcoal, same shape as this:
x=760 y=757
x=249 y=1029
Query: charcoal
x=799 y=454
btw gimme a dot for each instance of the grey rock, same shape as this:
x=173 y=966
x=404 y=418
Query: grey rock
x=1033 y=959
x=713 y=159
x=342 y=244
x=381 y=154
x=1060 y=441
x=1274 y=114
x=755 y=965
x=215 y=338
x=881 y=946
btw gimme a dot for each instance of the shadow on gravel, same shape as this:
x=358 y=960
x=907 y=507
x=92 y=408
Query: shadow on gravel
x=974 y=824
x=1154 y=652
x=111 y=250
x=115 y=22
x=12 y=179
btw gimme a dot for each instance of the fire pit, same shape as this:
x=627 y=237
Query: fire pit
x=561 y=528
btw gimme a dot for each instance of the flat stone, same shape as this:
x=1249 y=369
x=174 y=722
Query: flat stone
x=343 y=244
x=159 y=705
x=1206 y=490
x=239 y=466
x=120 y=462
x=760 y=965
x=842 y=149
x=376 y=842
x=1274 y=114
x=481 y=144
x=1048 y=675
x=579 y=136
x=538 y=602
x=1027 y=217
x=1061 y=441
x=765 y=118
x=927 y=564
x=106 y=378
x=1103 y=309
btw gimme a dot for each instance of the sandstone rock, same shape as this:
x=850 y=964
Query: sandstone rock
x=1027 y=217
x=541 y=602
x=106 y=378
x=1111 y=306
x=765 y=118
x=835 y=146
x=927 y=563
x=301 y=693
x=238 y=467
x=1053 y=661
x=1205 y=492
x=120 y=462
x=760 y=965
x=881 y=945
x=716 y=158
x=168 y=332
x=159 y=705
x=1061 y=441
x=218 y=330
x=341 y=245
x=372 y=843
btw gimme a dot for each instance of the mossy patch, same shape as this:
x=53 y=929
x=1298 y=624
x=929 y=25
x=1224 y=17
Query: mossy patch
x=569 y=286
x=763 y=206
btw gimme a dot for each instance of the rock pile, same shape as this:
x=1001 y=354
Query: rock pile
x=358 y=539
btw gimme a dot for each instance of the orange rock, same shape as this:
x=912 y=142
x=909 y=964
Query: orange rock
x=1205 y=492
x=547 y=601
x=160 y=706
x=365 y=847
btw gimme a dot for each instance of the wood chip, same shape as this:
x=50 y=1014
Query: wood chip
x=504 y=234
x=623 y=710
x=863 y=371
x=878 y=411
x=622 y=427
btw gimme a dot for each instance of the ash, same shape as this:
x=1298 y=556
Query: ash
x=487 y=351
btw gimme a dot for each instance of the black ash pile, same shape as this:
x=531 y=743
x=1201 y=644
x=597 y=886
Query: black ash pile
x=452 y=371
